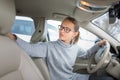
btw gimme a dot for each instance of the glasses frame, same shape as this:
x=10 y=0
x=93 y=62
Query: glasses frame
x=66 y=29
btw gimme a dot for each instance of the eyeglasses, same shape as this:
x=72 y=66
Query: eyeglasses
x=66 y=29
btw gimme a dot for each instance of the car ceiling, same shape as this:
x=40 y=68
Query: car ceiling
x=51 y=9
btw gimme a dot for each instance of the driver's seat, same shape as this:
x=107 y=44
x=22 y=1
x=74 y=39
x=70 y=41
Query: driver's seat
x=15 y=64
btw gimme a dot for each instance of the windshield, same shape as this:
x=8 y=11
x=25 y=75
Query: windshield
x=112 y=29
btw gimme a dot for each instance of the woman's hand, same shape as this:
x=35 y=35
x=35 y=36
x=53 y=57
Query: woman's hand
x=11 y=36
x=102 y=42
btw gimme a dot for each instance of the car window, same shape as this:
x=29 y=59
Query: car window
x=23 y=27
x=87 y=39
x=52 y=26
x=112 y=29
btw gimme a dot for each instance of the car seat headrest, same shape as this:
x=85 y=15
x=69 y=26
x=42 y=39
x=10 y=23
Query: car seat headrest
x=7 y=15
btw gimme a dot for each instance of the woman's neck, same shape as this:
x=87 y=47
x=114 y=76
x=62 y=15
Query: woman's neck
x=66 y=42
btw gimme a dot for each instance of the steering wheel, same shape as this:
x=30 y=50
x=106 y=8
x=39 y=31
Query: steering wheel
x=102 y=56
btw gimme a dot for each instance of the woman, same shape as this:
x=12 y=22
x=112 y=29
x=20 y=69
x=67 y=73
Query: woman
x=60 y=55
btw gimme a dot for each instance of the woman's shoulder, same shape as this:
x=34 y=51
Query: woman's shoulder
x=49 y=42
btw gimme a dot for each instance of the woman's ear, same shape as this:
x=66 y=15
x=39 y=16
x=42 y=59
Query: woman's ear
x=75 y=34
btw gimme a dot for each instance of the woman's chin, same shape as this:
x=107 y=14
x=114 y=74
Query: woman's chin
x=61 y=38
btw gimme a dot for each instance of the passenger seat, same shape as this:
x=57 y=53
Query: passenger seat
x=15 y=64
x=42 y=66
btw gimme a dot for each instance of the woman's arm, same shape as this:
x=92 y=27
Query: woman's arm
x=94 y=49
x=34 y=50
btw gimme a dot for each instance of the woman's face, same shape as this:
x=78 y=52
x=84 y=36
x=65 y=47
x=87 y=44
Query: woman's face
x=66 y=31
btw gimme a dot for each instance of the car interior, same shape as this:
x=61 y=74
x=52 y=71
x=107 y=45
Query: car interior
x=16 y=64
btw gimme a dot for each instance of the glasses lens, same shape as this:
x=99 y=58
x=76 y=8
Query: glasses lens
x=60 y=27
x=66 y=29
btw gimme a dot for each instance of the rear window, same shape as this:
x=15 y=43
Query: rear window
x=23 y=27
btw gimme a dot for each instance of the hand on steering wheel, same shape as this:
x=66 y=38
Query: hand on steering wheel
x=102 y=56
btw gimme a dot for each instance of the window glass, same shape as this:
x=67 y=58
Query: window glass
x=112 y=29
x=23 y=27
x=87 y=39
x=52 y=26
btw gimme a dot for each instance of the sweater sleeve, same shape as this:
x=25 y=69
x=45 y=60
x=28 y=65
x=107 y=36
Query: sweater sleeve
x=33 y=50
x=86 y=54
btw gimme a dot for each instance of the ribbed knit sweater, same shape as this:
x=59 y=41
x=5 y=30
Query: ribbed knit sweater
x=60 y=57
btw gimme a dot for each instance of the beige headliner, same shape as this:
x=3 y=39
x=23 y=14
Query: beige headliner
x=56 y=8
